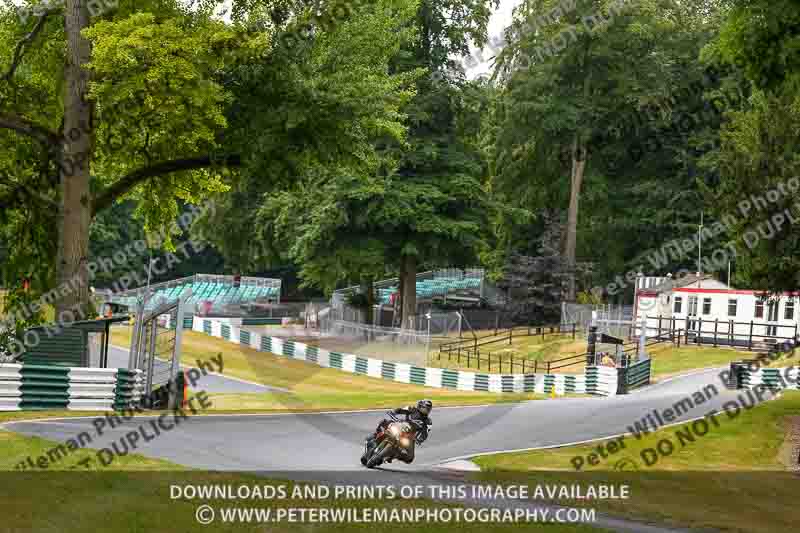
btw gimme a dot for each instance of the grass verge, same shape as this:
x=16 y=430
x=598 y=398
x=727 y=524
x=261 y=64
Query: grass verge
x=735 y=477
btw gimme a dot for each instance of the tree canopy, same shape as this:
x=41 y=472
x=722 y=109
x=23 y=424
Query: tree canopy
x=344 y=142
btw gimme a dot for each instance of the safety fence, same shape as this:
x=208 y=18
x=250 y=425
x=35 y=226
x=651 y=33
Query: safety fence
x=399 y=372
x=31 y=387
x=188 y=320
x=616 y=320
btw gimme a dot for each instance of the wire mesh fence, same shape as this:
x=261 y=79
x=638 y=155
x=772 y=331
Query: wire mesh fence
x=614 y=320
x=342 y=329
x=389 y=344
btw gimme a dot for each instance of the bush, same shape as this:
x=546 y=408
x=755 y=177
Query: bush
x=357 y=300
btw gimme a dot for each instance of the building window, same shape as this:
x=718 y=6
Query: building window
x=788 y=311
x=692 y=305
x=759 y=309
x=706 y=306
x=772 y=311
x=732 y=307
x=678 y=303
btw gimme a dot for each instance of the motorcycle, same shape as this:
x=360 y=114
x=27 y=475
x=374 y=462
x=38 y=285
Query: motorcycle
x=391 y=443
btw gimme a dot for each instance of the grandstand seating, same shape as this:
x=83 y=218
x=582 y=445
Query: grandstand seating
x=430 y=288
x=202 y=291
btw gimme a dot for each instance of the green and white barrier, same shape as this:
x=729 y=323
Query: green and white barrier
x=774 y=378
x=636 y=376
x=24 y=387
x=601 y=380
x=230 y=329
x=130 y=388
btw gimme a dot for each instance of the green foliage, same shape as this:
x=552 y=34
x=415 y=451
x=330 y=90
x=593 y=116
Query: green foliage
x=350 y=228
x=376 y=160
x=342 y=138
x=358 y=300
x=312 y=110
x=157 y=100
x=763 y=37
x=22 y=317
x=758 y=160
x=757 y=155
x=625 y=93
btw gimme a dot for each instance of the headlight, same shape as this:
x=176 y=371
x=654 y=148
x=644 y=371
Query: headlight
x=405 y=442
x=394 y=431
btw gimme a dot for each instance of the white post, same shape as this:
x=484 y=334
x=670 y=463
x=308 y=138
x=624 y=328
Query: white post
x=149 y=269
x=176 y=350
x=133 y=361
x=642 y=340
x=700 y=247
x=428 y=339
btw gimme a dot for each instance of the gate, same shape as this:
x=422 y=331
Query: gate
x=156 y=350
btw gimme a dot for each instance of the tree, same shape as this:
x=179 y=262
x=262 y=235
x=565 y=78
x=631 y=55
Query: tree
x=318 y=110
x=757 y=157
x=150 y=109
x=536 y=285
x=352 y=227
x=761 y=36
x=442 y=148
x=134 y=109
x=420 y=152
x=577 y=98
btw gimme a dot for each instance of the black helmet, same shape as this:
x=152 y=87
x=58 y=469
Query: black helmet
x=424 y=407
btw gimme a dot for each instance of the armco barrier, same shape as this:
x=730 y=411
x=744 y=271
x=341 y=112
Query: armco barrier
x=27 y=387
x=228 y=329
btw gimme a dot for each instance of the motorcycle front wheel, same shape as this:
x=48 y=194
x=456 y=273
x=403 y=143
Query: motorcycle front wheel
x=378 y=455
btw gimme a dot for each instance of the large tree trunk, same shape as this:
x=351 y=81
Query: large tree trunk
x=72 y=272
x=578 y=167
x=409 y=289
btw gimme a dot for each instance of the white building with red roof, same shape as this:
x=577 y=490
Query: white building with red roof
x=712 y=311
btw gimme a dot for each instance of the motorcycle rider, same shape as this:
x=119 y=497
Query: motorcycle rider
x=418 y=415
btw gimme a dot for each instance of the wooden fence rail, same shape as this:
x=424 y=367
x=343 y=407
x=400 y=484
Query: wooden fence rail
x=724 y=332
x=507 y=336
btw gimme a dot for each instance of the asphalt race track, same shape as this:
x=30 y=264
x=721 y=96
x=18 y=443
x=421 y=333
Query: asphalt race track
x=333 y=441
x=325 y=447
